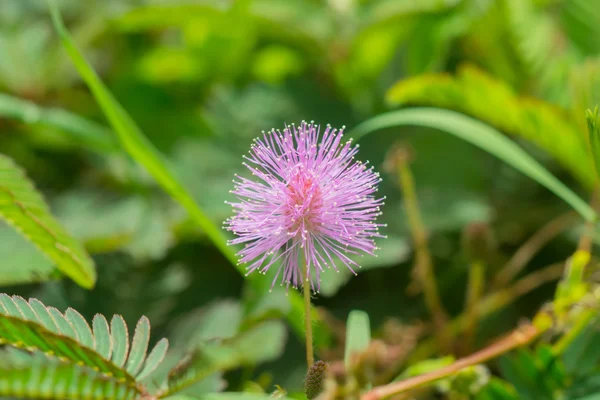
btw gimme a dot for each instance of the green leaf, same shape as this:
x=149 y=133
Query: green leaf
x=22 y=262
x=18 y=331
x=358 y=335
x=120 y=339
x=41 y=378
x=36 y=328
x=139 y=346
x=103 y=340
x=24 y=208
x=83 y=131
x=229 y=354
x=84 y=333
x=482 y=136
x=141 y=149
x=156 y=356
x=479 y=95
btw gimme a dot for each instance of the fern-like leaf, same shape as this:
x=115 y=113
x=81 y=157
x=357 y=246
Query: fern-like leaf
x=33 y=327
x=476 y=94
x=23 y=207
x=41 y=378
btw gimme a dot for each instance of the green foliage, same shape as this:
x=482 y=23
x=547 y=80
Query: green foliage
x=33 y=327
x=474 y=93
x=39 y=378
x=23 y=208
x=201 y=80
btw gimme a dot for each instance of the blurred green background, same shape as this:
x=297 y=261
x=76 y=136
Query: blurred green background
x=203 y=78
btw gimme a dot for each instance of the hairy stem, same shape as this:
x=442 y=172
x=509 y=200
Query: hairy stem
x=310 y=357
x=517 y=338
x=423 y=266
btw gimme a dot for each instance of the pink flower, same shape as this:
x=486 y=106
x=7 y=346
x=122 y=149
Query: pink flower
x=310 y=199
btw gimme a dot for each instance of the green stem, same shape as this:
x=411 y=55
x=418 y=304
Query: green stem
x=310 y=357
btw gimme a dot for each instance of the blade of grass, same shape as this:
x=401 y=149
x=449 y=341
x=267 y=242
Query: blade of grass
x=143 y=151
x=482 y=136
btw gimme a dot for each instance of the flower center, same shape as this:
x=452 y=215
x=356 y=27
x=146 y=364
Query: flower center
x=303 y=202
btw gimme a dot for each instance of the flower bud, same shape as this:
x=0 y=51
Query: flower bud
x=315 y=377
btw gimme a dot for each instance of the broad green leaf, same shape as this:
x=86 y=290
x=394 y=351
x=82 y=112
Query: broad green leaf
x=120 y=339
x=229 y=354
x=475 y=93
x=155 y=357
x=41 y=378
x=141 y=149
x=482 y=136
x=24 y=208
x=358 y=335
x=139 y=346
x=83 y=131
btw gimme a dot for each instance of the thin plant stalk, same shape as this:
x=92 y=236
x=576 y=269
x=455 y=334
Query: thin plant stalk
x=310 y=357
x=474 y=292
x=423 y=266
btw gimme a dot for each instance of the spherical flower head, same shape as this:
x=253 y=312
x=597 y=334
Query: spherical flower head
x=311 y=202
